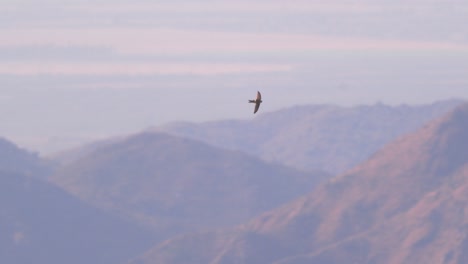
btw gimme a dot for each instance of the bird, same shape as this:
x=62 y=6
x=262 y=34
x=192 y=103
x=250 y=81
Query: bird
x=257 y=101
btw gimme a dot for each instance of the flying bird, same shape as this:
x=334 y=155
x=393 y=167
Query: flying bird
x=257 y=101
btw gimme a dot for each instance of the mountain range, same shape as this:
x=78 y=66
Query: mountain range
x=315 y=137
x=220 y=192
x=41 y=223
x=175 y=185
x=406 y=204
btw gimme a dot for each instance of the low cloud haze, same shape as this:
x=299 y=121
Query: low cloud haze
x=79 y=70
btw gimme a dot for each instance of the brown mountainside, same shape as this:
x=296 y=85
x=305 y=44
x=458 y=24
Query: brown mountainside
x=315 y=137
x=176 y=185
x=406 y=204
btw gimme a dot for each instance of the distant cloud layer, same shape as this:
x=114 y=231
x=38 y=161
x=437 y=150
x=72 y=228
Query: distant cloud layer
x=141 y=42
x=136 y=68
x=163 y=41
x=210 y=29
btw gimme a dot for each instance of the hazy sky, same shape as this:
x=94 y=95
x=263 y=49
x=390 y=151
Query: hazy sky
x=72 y=71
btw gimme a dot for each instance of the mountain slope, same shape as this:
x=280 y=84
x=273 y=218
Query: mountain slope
x=323 y=137
x=406 y=204
x=39 y=223
x=432 y=231
x=177 y=185
x=14 y=159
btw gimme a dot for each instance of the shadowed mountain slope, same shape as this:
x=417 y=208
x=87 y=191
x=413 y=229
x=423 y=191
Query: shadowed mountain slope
x=39 y=223
x=176 y=185
x=322 y=137
x=406 y=204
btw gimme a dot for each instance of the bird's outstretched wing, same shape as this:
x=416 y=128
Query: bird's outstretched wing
x=257 y=105
x=259 y=96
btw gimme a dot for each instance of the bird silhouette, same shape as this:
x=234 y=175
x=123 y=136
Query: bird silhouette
x=257 y=101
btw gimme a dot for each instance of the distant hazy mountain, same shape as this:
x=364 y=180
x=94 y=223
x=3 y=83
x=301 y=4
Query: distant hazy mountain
x=407 y=204
x=69 y=156
x=312 y=137
x=39 y=223
x=16 y=160
x=176 y=185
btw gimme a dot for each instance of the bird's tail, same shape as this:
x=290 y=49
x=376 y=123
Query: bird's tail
x=251 y=101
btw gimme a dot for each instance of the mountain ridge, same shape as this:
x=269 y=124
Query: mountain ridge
x=320 y=137
x=18 y=160
x=390 y=209
x=175 y=185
